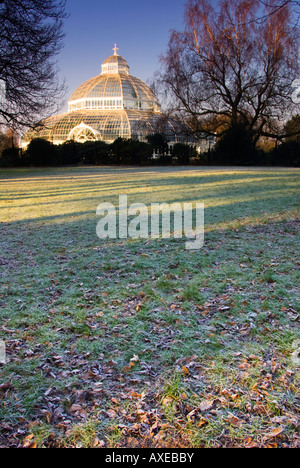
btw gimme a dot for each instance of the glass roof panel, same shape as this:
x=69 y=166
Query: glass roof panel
x=111 y=104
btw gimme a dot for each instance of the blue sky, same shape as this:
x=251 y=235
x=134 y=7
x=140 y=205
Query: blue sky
x=140 y=28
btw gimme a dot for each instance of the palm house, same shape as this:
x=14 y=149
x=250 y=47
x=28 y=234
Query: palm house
x=111 y=105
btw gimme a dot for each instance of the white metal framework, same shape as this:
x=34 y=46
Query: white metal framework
x=83 y=133
x=114 y=88
x=111 y=105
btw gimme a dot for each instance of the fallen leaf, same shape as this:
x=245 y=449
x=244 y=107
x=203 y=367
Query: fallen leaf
x=202 y=422
x=166 y=401
x=75 y=408
x=5 y=386
x=135 y=358
x=29 y=442
x=206 y=405
x=234 y=420
x=275 y=432
x=111 y=413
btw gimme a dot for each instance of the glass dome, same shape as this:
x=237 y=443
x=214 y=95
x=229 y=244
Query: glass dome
x=114 y=88
x=86 y=125
x=115 y=64
x=111 y=105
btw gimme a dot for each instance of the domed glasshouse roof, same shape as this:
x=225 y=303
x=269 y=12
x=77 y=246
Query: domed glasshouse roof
x=115 y=58
x=111 y=105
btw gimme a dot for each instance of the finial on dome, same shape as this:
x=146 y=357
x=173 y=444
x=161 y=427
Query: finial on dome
x=115 y=49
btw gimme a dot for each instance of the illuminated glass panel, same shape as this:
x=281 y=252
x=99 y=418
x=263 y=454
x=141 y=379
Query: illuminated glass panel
x=111 y=105
x=106 y=125
x=131 y=92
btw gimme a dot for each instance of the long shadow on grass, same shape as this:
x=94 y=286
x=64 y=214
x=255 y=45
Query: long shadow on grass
x=200 y=179
x=226 y=211
x=98 y=195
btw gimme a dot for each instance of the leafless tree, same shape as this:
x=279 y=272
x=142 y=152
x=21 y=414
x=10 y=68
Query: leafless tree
x=31 y=36
x=226 y=68
x=274 y=7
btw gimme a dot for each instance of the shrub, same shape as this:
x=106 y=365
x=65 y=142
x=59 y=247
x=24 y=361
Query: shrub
x=9 y=157
x=118 y=151
x=101 y=154
x=128 y=151
x=158 y=144
x=286 y=154
x=140 y=153
x=235 y=147
x=40 y=153
x=182 y=153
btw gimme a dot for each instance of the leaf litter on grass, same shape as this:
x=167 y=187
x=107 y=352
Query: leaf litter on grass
x=141 y=344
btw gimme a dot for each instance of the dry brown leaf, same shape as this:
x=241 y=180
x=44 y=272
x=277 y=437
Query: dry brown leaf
x=275 y=432
x=234 y=420
x=111 y=413
x=5 y=386
x=166 y=401
x=75 y=408
x=29 y=442
x=206 y=405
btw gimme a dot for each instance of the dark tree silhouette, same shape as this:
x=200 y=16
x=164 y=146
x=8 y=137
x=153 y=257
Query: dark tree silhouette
x=228 y=69
x=31 y=36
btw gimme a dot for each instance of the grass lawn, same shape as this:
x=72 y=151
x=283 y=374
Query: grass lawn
x=142 y=343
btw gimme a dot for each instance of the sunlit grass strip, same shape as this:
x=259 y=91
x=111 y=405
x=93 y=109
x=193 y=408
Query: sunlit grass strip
x=195 y=346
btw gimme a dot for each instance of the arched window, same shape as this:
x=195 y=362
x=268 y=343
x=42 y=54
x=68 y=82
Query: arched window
x=83 y=133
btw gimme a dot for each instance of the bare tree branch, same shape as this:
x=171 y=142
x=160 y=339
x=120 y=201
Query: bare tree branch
x=227 y=68
x=31 y=36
